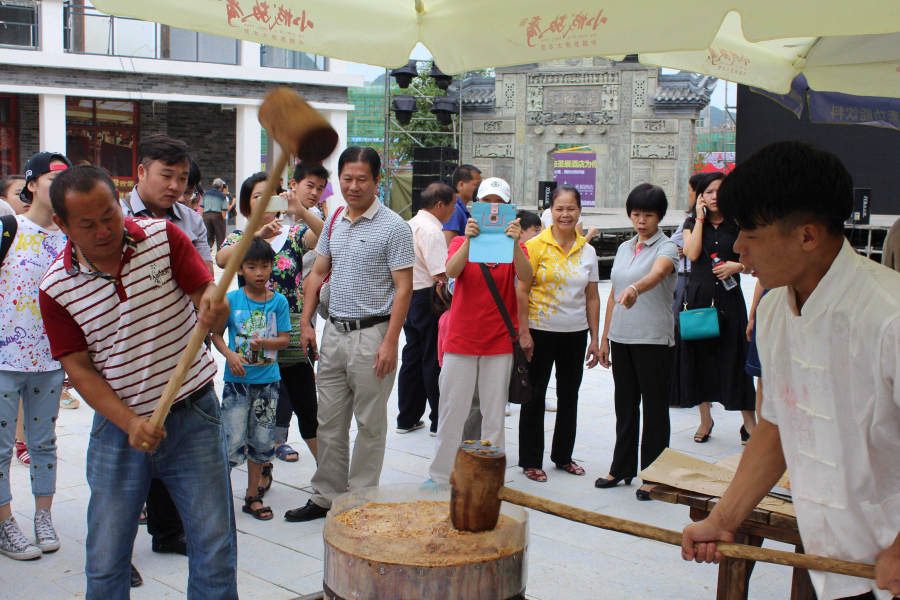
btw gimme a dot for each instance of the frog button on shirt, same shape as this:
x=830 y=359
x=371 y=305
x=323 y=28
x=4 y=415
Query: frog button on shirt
x=557 y=299
x=830 y=385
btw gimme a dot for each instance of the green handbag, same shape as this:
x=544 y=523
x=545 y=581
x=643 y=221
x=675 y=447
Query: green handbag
x=700 y=323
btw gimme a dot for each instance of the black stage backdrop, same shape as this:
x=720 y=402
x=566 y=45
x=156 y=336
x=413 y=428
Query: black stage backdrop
x=872 y=154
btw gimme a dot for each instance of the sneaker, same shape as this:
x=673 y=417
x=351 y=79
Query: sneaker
x=432 y=433
x=22 y=453
x=508 y=411
x=14 y=544
x=418 y=425
x=44 y=534
x=550 y=404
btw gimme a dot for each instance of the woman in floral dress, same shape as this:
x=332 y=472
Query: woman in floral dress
x=298 y=383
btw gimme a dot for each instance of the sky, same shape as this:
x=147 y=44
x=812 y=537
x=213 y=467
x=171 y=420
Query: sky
x=421 y=53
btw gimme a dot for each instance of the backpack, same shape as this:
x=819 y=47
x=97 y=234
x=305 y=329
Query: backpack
x=9 y=228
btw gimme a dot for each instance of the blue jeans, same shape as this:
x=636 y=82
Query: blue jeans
x=40 y=403
x=248 y=410
x=191 y=462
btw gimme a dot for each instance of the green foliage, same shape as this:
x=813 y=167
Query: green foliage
x=402 y=144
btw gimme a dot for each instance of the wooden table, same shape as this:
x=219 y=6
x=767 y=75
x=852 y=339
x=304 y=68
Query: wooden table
x=734 y=574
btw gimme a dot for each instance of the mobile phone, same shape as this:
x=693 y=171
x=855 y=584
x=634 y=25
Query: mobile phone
x=311 y=354
x=277 y=204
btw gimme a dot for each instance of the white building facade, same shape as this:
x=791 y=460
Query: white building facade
x=77 y=81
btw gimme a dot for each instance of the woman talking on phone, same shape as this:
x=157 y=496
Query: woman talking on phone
x=298 y=383
x=712 y=370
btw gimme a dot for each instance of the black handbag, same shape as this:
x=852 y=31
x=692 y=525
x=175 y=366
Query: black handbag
x=519 y=381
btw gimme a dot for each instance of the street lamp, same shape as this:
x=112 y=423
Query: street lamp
x=444 y=109
x=404 y=107
x=442 y=80
x=404 y=75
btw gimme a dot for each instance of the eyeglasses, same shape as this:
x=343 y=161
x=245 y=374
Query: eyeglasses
x=190 y=195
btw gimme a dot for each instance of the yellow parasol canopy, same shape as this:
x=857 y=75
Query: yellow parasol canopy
x=468 y=34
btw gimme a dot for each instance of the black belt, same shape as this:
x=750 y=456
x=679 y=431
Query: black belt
x=195 y=396
x=684 y=273
x=348 y=325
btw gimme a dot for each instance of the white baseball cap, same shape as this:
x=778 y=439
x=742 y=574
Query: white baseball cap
x=494 y=185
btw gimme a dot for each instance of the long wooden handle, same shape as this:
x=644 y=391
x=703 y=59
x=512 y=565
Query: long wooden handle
x=234 y=262
x=667 y=536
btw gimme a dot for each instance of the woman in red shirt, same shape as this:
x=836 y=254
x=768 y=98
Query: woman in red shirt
x=477 y=349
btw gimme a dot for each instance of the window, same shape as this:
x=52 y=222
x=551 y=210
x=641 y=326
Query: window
x=88 y=31
x=270 y=56
x=18 y=24
x=104 y=133
x=9 y=135
x=700 y=123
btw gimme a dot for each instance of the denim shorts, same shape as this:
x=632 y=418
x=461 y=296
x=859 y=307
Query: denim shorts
x=248 y=412
x=753 y=366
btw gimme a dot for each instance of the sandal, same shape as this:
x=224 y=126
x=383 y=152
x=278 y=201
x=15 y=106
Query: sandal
x=66 y=400
x=266 y=472
x=263 y=513
x=143 y=520
x=536 y=475
x=572 y=468
x=702 y=439
x=284 y=452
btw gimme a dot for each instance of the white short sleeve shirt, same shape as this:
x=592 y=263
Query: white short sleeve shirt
x=829 y=384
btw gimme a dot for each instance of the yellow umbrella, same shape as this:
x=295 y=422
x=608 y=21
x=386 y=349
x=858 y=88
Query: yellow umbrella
x=861 y=65
x=470 y=34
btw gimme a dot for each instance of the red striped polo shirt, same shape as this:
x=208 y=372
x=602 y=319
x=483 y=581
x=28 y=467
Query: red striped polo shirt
x=135 y=324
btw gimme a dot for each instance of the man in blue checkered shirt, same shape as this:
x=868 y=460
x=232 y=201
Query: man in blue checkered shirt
x=370 y=252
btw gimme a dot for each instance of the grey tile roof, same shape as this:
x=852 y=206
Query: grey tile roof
x=684 y=87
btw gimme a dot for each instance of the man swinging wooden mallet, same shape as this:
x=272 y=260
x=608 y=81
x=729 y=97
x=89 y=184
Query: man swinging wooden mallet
x=119 y=307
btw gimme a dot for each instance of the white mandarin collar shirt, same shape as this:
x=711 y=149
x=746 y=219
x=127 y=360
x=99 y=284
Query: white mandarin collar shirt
x=829 y=385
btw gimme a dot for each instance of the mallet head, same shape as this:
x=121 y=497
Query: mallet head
x=476 y=479
x=296 y=126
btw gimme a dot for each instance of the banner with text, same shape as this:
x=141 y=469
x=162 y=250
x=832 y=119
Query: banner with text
x=578 y=169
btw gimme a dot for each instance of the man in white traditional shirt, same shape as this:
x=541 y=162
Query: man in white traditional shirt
x=829 y=343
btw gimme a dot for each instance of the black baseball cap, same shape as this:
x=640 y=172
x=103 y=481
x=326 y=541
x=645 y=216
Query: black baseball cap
x=37 y=166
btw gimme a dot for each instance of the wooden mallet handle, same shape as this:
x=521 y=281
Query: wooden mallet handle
x=234 y=262
x=667 y=536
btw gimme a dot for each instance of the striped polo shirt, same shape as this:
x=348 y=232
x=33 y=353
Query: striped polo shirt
x=134 y=324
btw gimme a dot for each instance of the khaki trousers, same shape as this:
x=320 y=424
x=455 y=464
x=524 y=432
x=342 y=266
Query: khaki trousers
x=348 y=388
x=460 y=375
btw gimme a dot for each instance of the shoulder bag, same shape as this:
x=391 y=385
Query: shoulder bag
x=699 y=323
x=324 y=291
x=519 y=381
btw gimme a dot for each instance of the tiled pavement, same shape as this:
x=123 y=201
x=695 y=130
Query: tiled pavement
x=281 y=560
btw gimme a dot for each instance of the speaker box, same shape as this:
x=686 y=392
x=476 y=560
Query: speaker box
x=862 y=203
x=545 y=189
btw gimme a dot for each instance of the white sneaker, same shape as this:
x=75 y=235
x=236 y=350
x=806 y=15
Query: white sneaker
x=14 y=544
x=550 y=404
x=508 y=409
x=44 y=534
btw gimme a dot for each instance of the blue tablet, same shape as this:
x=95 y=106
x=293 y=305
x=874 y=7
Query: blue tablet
x=492 y=245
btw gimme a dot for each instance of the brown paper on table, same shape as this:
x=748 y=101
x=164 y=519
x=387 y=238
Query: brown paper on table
x=695 y=475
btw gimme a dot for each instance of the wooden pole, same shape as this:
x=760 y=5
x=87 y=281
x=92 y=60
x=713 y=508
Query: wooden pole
x=234 y=262
x=667 y=536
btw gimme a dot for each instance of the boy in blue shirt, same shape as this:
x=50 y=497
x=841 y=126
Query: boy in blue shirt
x=259 y=326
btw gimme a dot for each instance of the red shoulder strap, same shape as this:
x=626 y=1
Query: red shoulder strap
x=334 y=217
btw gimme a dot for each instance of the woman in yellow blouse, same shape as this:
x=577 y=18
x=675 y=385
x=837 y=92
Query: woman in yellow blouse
x=563 y=305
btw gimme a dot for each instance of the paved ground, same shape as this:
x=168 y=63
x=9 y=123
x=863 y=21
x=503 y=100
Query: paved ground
x=280 y=560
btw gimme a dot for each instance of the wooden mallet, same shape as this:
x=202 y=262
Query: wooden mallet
x=477 y=491
x=300 y=130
